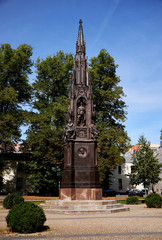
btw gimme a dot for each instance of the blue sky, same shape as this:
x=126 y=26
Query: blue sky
x=130 y=30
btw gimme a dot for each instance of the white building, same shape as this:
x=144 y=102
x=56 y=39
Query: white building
x=158 y=186
x=13 y=177
x=120 y=179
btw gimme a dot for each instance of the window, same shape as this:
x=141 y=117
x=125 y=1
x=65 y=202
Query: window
x=20 y=167
x=120 y=183
x=19 y=184
x=132 y=169
x=119 y=169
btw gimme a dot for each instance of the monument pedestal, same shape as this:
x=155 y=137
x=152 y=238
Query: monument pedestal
x=80 y=180
x=80 y=194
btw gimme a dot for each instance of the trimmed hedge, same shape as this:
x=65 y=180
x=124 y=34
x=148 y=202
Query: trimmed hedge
x=12 y=199
x=26 y=218
x=153 y=200
x=132 y=200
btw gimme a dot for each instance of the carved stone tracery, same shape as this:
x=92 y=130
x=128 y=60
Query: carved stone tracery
x=81 y=132
x=81 y=103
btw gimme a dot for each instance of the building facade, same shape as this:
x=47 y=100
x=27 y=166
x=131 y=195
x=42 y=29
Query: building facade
x=158 y=186
x=120 y=179
x=13 y=176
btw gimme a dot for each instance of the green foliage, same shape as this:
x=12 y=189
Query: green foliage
x=12 y=200
x=132 y=200
x=15 y=65
x=111 y=113
x=26 y=218
x=43 y=176
x=48 y=120
x=145 y=165
x=161 y=134
x=153 y=200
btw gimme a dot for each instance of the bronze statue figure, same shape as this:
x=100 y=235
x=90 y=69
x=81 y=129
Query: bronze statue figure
x=81 y=115
x=69 y=131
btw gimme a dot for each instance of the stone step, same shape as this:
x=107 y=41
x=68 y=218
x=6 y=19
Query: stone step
x=111 y=210
x=80 y=207
x=83 y=206
x=79 y=202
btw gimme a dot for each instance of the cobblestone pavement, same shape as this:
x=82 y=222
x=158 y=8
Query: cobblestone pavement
x=138 y=223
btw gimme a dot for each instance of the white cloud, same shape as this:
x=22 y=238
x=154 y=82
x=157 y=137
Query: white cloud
x=105 y=21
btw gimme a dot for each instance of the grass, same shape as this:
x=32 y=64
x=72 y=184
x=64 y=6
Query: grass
x=124 y=201
x=121 y=201
x=37 y=202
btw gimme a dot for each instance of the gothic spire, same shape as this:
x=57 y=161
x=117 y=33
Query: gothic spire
x=80 y=45
x=80 y=34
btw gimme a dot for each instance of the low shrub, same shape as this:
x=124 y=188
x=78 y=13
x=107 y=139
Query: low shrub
x=132 y=200
x=26 y=218
x=12 y=199
x=153 y=200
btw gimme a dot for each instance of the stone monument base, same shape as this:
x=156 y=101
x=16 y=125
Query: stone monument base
x=80 y=194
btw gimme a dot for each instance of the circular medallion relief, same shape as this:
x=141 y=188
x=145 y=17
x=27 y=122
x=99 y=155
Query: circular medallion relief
x=82 y=152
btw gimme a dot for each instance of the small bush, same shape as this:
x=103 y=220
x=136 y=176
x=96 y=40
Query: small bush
x=26 y=218
x=153 y=200
x=12 y=199
x=132 y=200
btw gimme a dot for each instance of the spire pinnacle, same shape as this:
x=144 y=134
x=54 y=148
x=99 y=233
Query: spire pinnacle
x=80 y=34
x=80 y=45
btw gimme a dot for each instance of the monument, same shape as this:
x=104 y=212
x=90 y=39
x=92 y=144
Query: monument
x=80 y=179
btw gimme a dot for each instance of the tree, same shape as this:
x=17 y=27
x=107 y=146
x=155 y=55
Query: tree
x=51 y=103
x=146 y=167
x=161 y=134
x=47 y=121
x=15 y=65
x=111 y=113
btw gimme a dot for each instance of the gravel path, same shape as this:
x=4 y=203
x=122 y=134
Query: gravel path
x=138 y=223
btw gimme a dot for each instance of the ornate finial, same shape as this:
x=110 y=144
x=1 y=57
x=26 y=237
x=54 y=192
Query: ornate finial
x=80 y=47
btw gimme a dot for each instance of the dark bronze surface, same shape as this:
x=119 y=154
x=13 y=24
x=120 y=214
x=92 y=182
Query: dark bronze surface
x=80 y=138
